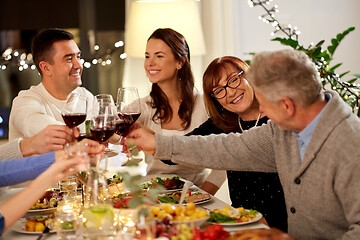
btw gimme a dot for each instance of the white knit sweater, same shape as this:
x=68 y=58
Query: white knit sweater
x=195 y=175
x=10 y=150
x=35 y=108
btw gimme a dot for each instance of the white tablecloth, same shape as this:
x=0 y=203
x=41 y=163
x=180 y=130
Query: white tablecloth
x=113 y=166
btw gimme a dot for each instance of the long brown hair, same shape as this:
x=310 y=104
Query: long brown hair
x=180 y=49
x=222 y=118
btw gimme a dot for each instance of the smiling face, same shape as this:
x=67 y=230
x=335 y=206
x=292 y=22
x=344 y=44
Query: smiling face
x=239 y=100
x=65 y=68
x=160 y=63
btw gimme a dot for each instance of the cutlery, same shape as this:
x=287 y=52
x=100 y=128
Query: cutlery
x=46 y=230
x=184 y=190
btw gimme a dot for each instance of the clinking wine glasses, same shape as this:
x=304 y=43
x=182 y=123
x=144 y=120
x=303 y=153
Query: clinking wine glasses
x=128 y=107
x=103 y=119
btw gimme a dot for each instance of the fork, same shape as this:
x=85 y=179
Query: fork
x=46 y=230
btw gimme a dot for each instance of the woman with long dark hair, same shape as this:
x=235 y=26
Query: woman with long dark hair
x=173 y=106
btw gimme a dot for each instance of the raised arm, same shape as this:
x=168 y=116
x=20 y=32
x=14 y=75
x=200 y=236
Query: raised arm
x=51 y=138
x=16 y=207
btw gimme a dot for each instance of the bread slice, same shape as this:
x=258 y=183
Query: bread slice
x=197 y=198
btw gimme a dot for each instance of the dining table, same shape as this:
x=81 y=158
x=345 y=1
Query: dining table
x=113 y=165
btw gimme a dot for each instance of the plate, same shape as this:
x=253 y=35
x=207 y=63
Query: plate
x=257 y=218
x=196 y=203
x=43 y=210
x=19 y=227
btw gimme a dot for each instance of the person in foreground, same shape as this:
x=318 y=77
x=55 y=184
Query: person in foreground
x=32 y=166
x=311 y=141
x=173 y=107
x=17 y=206
x=57 y=58
x=232 y=106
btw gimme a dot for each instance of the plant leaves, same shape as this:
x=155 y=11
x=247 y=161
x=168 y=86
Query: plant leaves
x=343 y=74
x=287 y=41
x=134 y=202
x=352 y=80
x=335 y=67
x=320 y=43
x=339 y=37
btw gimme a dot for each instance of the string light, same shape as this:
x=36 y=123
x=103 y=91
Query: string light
x=269 y=17
x=24 y=61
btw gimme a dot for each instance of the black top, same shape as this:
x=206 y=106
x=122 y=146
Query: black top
x=253 y=190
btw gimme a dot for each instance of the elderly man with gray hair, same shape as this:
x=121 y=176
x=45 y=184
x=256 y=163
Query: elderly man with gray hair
x=312 y=141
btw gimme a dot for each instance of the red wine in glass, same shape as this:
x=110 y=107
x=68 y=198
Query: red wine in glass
x=129 y=119
x=85 y=135
x=102 y=134
x=73 y=119
x=120 y=126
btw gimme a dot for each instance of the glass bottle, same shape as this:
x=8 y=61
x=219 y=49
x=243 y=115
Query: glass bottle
x=98 y=214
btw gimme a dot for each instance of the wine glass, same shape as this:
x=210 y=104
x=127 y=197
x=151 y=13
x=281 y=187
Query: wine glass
x=104 y=116
x=74 y=110
x=128 y=107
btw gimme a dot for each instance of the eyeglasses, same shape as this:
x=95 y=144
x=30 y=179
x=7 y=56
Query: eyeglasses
x=233 y=83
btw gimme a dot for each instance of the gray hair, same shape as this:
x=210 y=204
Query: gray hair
x=285 y=73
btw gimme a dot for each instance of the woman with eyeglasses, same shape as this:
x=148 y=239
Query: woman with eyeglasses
x=232 y=107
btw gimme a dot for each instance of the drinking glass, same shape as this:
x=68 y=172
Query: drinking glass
x=128 y=107
x=74 y=110
x=68 y=221
x=71 y=185
x=103 y=120
x=98 y=213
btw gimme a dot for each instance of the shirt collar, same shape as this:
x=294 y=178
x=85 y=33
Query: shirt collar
x=306 y=133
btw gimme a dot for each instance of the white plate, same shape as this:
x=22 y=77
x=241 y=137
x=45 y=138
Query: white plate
x=44 y=210
x=19 y=227
x=255 y=219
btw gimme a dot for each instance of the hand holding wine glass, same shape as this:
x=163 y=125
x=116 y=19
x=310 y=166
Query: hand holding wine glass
x=103 y=120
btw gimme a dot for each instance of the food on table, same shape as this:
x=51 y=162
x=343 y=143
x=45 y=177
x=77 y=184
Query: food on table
x=38 y=223
x=101 y=215
x=122 y=200
x=190 y=197
x=167 y=183
x=212 y=232
x=232 y=215
x=49 y=200
x=177 y=212
x=115 y=185
x=265 y=234
x=180 y=232
x=165 y=228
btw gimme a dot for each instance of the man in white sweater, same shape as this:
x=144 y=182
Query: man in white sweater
x=57 y=58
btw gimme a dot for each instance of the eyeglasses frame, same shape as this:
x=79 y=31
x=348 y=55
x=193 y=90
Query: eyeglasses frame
x=238 y=75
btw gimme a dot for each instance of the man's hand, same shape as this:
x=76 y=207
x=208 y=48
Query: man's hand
x=142 y=138
x=92 y=148
x=51 y=138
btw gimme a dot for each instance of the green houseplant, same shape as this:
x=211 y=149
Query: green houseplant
x=320 y=55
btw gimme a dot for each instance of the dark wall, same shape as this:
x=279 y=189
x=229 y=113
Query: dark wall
x=39 y=14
